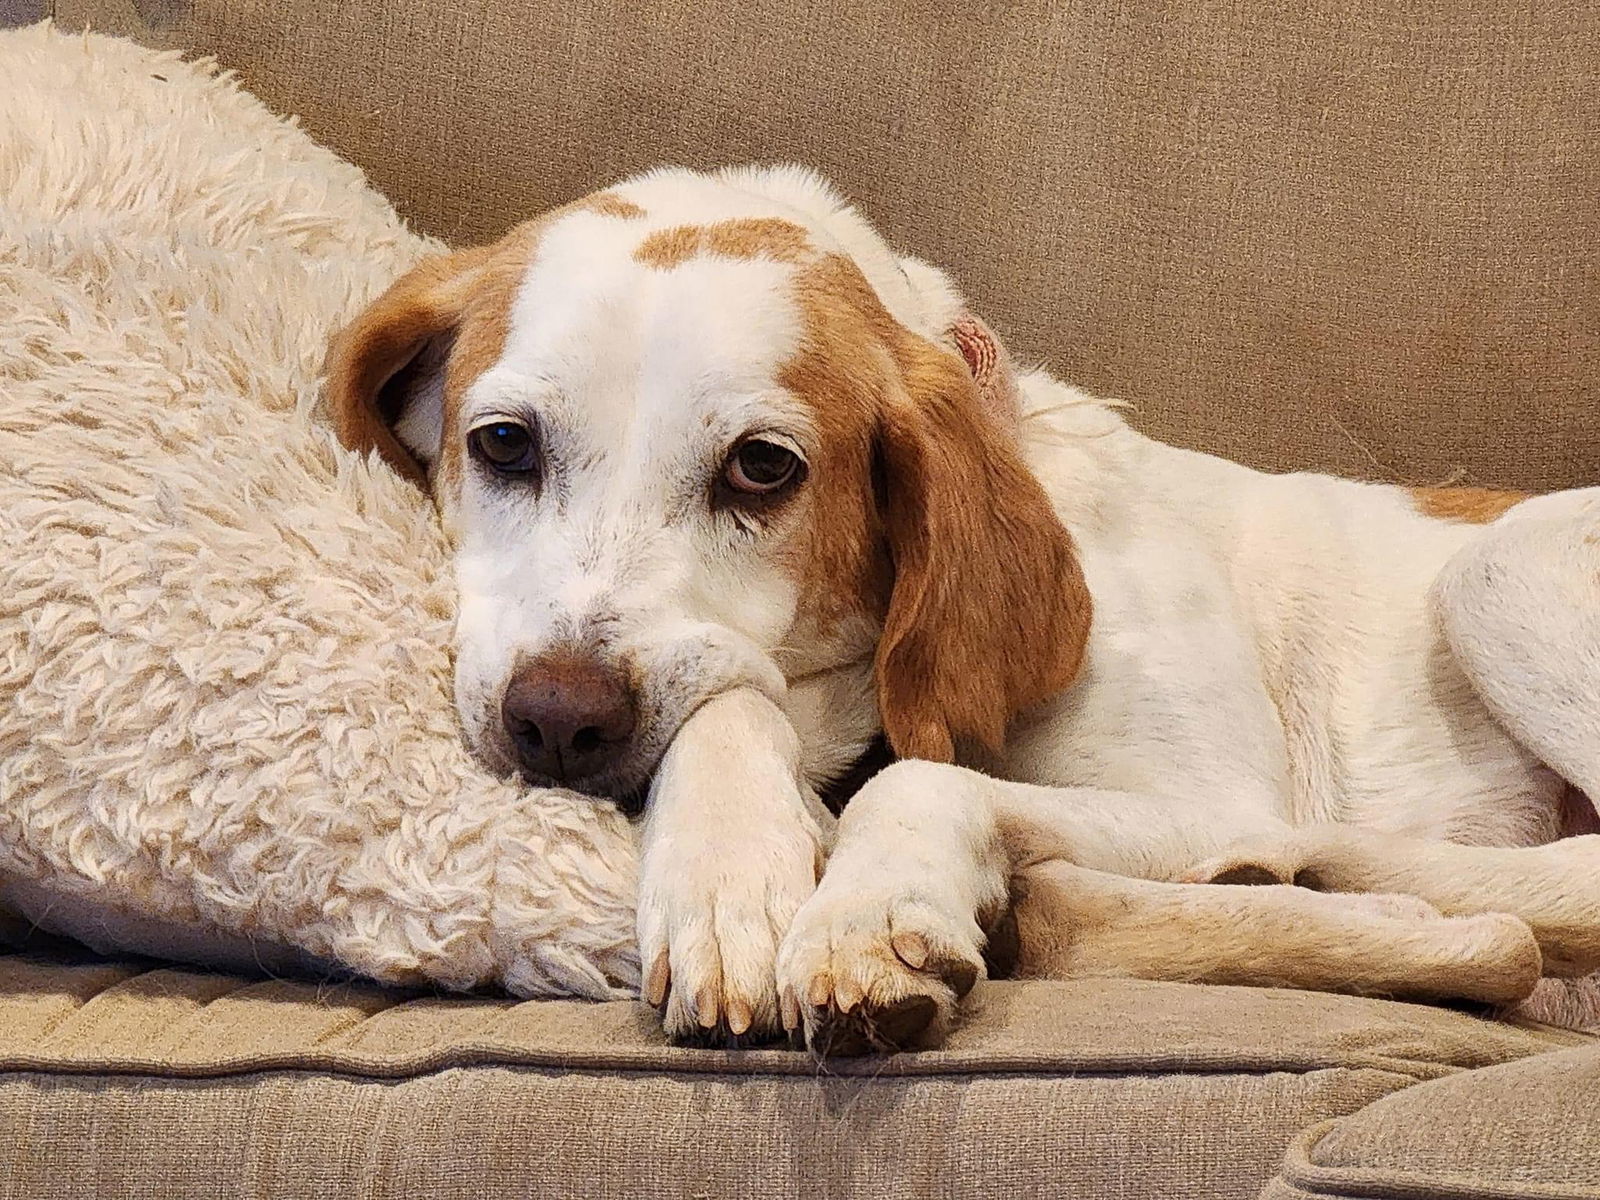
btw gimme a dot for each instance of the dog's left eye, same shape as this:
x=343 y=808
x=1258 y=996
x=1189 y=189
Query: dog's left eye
x=505 y=446
x=759 y=468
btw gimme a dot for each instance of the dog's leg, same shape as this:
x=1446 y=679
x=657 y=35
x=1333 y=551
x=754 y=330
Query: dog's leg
x=894 y=936
x=1074 y=923
x=1554 y=888
x=926 y=859
x=732 y=845
x=922 y=872
x=1520 y=608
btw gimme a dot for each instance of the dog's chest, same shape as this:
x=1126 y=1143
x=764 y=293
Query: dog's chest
x=1170 y=698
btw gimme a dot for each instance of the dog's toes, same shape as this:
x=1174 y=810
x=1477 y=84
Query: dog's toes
x=874 y=1029
x=714 y=1018
x=711 y=945
x=715 y=992
x=721 y=1011
x=872 y=976
x=849 y=1023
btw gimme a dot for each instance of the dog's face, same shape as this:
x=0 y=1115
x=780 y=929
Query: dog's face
x=702 y=432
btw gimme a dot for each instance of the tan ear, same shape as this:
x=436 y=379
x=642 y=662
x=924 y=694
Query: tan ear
x=989 y=613
x=387 y=366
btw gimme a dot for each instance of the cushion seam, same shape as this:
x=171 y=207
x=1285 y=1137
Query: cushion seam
x=1368 y=1183
x=183 y=1076
x=730 y=1067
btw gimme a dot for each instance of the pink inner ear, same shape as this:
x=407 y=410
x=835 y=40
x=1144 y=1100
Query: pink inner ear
x=991 y=370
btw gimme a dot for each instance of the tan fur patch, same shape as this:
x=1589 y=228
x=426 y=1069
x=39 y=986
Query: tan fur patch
x=465 y=298
x=484 y=327
x=1467 y=505
x=752 y=237
x=423 y=303
x=974 y=580
x=842 y=372
x=609 y=204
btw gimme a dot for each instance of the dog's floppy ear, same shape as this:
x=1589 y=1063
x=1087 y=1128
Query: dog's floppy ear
x=385 y=370
x=989 y=613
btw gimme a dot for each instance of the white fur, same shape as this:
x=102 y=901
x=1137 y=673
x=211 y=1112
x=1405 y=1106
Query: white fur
x=1267 y=653
x=636 y=406
x=1271 y=652
x=1273 y=659
x=639 y=380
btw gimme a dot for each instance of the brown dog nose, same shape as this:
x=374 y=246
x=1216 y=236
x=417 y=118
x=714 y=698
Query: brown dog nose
x=568 y=714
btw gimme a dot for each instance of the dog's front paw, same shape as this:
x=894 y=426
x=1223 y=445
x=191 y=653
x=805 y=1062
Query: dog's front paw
x=874 y=969
x=711 y=918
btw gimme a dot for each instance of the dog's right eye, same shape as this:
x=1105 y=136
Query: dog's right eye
x=760 y=468
x=508 y=447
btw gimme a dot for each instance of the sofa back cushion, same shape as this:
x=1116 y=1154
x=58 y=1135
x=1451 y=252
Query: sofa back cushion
x=1357 y=236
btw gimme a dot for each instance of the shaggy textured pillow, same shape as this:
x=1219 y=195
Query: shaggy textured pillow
x=225 y=695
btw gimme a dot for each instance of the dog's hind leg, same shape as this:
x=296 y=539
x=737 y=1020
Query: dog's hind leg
x=1520 y=609
x=1555 y=888
x=1075 y=923
x=930 y=857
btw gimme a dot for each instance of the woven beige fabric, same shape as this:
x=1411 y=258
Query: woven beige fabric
x=118 y=1017
x=21 y=12
x=496 y=1131
x=1525 y=1129
x=191 y=1084
x=1357 y=236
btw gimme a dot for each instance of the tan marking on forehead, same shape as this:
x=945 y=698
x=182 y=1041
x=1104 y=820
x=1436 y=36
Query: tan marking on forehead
x=490 y=290
x=1465 y=505
x=745 y=238
x=609 y=204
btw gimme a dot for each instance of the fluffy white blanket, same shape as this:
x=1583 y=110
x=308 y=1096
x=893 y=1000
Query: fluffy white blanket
x=225 y=702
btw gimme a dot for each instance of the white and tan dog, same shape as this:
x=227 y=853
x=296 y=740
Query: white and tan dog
x=734 y=490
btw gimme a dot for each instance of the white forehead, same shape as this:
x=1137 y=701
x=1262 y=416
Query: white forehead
x=598 y=339
x=584 y=285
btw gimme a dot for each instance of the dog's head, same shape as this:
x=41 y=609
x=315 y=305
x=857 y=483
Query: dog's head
x=702 y=431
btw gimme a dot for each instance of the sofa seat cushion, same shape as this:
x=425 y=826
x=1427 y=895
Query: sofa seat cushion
x=120 y=1078
x=1529 y=1128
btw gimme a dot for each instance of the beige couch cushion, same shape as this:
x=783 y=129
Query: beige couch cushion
x=179 y=1080
x=1525 y=1129
x=1352 y=236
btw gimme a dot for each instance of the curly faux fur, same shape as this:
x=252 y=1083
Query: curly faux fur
x=225 y=693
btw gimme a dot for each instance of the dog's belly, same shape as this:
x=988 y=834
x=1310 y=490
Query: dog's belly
x=1300 y=686
x=1170 y=700
x=1402 y=743
x=1381 y=726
